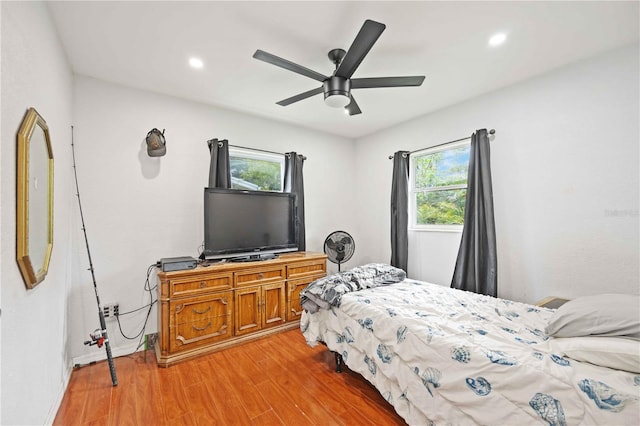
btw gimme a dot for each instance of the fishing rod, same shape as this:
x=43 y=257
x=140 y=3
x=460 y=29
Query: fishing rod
x=99 y=337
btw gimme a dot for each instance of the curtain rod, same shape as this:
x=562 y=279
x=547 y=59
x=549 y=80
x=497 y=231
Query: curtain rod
x=261 y=150
x=491 y=132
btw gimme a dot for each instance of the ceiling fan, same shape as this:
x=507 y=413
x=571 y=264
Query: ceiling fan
x=337 y=87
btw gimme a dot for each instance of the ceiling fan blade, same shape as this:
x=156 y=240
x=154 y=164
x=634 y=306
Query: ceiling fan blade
x=366 y=83
x=288 y=65
x=353 y=108
x=300 y=96
x=363 y=42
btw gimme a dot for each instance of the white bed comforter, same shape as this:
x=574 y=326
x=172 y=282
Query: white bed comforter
x=443 y=356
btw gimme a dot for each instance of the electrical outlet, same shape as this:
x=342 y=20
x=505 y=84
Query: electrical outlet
x=150 y=341
x=111 y=310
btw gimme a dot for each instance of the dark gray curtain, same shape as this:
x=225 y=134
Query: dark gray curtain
x=477 y=266
x=219 y=170
x=294 y=183
x=399 y=210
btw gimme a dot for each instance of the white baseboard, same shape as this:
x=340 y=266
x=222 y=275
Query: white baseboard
x=51 y=416
x=101 y=354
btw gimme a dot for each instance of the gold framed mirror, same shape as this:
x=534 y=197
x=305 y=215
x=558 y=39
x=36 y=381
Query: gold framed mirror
x=34 y=227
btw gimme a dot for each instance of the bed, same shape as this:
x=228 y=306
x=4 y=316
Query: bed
x=446 y=356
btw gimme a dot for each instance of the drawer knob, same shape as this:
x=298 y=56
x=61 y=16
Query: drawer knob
x=203 y=284
x=260 y=276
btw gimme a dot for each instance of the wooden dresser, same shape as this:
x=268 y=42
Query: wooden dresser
x=213 y=307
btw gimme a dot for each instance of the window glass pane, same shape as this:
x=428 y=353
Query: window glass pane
x=442 y=168
x=255 y=174
x=444 y=207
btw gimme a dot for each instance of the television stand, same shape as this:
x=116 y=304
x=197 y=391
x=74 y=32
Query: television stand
x=214 y=307
x=254 y=258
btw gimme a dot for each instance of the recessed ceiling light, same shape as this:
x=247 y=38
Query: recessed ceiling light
x=497 y=39
x=196 y=63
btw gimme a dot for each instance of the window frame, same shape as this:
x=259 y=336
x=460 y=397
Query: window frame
x=413 y=191
x=256 y=154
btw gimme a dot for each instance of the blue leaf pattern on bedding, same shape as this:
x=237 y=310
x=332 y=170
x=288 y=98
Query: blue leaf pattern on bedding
x=528 y=342
x=347 y=336
x=391 y=312
x=636 y=380
x=538 y=333
x=479 y=385
x=461 y=354
x=431 y=378
x=604 y=396
x=478 y=316
x=328 y=291
x=538 y=355
x=384 y=353
x=430 y=332
x=371 y=365
x=549 y=409
x=499 y=357
x=507 y=314
x=559 y=360
x=366 y=323
x=401 y=333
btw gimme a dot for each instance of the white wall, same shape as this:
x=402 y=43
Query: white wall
x=139 y=209
x=565 y=177
x=35 y=73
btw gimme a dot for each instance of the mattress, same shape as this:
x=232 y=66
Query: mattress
x=446 y=356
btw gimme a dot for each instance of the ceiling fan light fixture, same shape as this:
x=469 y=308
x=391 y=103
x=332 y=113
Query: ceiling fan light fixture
x=336 y=92
x=337 y=100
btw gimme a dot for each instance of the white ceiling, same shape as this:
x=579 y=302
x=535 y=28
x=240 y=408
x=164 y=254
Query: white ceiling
x=147 y=45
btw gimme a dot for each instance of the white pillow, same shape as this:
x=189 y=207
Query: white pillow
x=599 y=315
x=612 y=352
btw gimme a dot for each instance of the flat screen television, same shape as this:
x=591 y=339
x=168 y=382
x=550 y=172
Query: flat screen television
x=248 y=225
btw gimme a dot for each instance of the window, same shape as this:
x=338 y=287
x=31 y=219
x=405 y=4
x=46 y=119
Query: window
x=439 y=187
x=256 y=170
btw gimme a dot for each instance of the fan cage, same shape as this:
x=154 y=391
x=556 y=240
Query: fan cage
x=338 y=250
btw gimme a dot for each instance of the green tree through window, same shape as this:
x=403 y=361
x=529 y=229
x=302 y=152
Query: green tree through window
x=255 y=170
x=440 y=186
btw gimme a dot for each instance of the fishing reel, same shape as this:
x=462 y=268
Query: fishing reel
x=97 y=338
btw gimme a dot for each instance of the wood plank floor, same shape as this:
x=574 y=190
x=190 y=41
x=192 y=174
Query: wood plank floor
x=277 y=380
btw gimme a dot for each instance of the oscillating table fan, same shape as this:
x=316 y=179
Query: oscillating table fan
x=339 y=247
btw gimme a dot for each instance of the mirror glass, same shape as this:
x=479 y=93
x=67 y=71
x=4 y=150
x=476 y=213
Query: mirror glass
x=35 y=199
x=38 y=199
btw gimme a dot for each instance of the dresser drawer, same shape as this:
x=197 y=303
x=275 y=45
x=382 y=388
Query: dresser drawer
x=260 y=276
x=203 y=284
x=203 y=332
x=200 y=321
x=312 y=268
x=201 y=308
